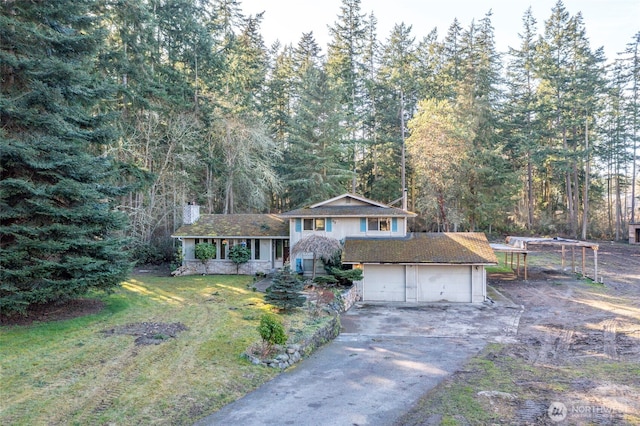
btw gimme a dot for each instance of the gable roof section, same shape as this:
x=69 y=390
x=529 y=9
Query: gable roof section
x=344 y=197
x=347 y=211
x=235 y=225
x=339 y=207
x=422 y=247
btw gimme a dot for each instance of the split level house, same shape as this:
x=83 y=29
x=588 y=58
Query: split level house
x=397 y=265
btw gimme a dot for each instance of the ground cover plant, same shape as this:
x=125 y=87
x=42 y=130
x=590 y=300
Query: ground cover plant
x=163 y=350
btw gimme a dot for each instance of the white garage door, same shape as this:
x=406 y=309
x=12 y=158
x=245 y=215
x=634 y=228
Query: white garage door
x=384 y=283
x=444 y=283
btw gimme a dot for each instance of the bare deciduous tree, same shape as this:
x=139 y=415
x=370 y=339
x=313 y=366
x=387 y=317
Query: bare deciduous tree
x=320 y=246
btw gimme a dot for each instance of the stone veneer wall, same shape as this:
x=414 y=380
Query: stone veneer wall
x=290 y=354
x=196 y=267
x=350 y=297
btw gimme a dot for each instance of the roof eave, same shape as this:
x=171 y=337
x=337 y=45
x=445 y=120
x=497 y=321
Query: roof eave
x=231 y=236
x=351 y=262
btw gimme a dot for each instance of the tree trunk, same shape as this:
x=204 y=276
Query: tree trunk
x=618 y=208
x=568 y=188
x=313 y=273
x=443 y=214
x=529 y=192
x=585 y=194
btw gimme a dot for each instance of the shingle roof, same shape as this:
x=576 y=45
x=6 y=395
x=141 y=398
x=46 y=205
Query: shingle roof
x=348 y=211
x=421 y=247
x=235 y=225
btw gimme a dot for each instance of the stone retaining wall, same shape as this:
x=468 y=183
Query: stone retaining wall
x=293 y=353
x=290 y=354
x=350 y=297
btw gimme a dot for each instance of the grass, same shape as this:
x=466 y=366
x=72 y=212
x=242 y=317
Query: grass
x=456 y=400
x=70 y=372
x=501 y=267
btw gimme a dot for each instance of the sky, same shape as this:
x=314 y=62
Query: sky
x=609 y=23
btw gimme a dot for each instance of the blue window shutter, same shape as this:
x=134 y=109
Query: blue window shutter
x=394 y=224
x=299 y=265
x=363 y=224
x=298 y=225
x=327 y=222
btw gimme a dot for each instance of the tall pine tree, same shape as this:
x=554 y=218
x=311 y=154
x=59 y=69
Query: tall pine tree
x=59 y=236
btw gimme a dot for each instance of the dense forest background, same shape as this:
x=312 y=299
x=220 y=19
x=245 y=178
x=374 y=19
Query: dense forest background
x=541 y=139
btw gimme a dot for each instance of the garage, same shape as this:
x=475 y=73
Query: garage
x=444 y=283
x=384 y=283
x=422 y=267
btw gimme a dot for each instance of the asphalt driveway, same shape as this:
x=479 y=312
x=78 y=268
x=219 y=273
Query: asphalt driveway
x=387 y=356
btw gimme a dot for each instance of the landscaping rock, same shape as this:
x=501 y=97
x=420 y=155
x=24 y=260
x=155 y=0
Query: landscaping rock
x=497 y=394
x=293 y=353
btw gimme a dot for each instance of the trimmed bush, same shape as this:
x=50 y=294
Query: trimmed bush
x=271 y=331
x=205 y=251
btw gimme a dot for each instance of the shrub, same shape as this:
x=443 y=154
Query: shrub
x=239 y=254
x=325 y=280
x=271 y=331
x=346 y=277
x=205 y=251
x=285 y=291
x=146 y=254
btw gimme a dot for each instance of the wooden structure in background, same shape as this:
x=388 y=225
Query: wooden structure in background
x=521 y=246
x=510 y=250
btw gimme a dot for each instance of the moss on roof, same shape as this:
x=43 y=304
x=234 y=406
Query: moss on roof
x=235 y=225
x=422 y=247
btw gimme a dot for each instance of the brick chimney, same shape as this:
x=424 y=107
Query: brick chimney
x=190 y=214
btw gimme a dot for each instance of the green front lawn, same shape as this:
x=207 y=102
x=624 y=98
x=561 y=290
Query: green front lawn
x=72 y=372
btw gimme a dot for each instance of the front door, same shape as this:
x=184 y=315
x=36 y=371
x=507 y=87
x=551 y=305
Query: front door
x=278 y=253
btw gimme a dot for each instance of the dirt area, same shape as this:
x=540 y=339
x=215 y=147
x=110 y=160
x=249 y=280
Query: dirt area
x=54 y=312
x=577 y=355
x=149 y=333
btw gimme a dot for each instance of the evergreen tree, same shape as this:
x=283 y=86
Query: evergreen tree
x=285 y=291
x=489 y=177
x=397 y=91
x=346 y=71
x=523 y=137
x=452 y=60
x=277 y=102
x=631 y=60
x=316 y=165
x=570 y=75
x=429 y=64
x=59 y=235
x=616 y=150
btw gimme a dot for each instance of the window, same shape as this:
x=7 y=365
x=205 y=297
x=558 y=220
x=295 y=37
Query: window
x=317 y=224
x=223 y=249
x=256 y=253
x=308 y=225
x=378 y=224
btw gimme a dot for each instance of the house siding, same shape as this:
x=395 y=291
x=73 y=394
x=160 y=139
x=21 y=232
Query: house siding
x=342 y=227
